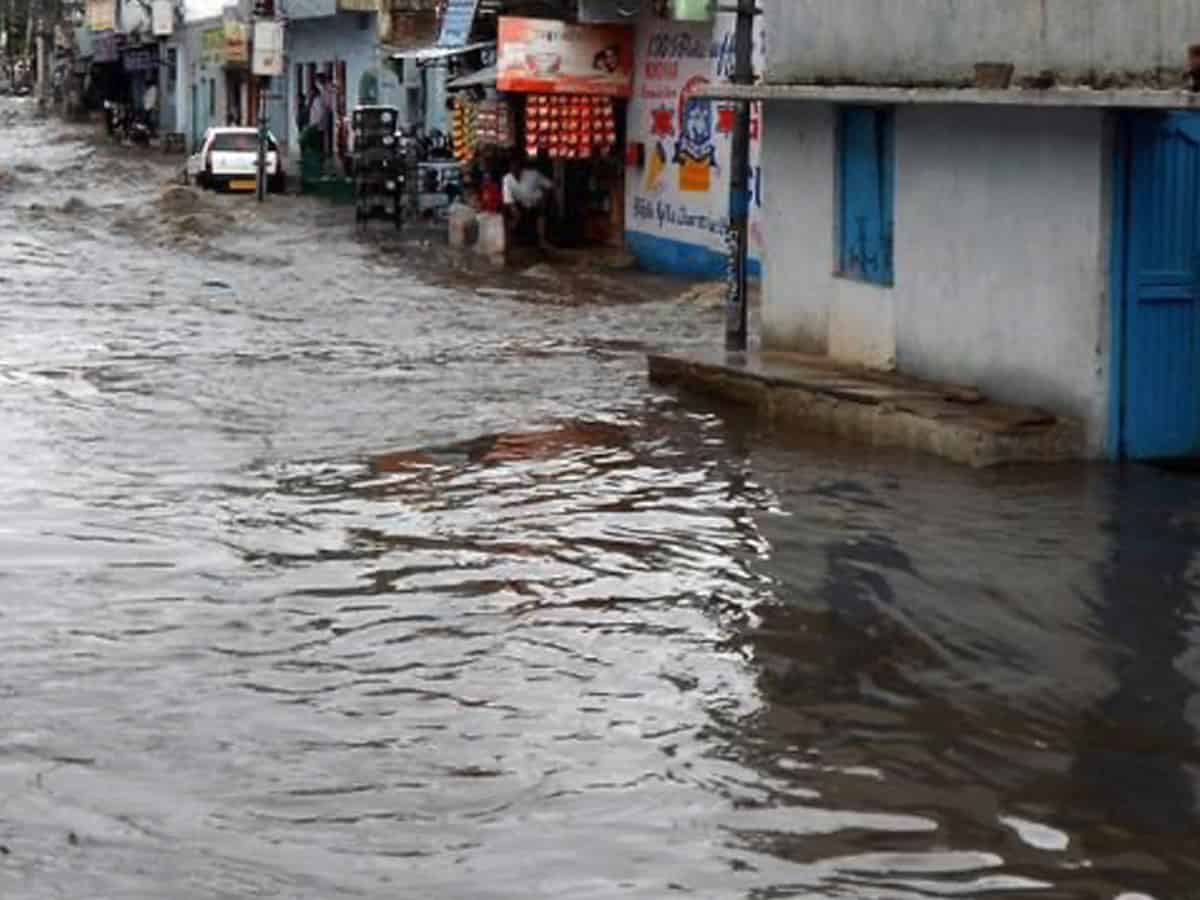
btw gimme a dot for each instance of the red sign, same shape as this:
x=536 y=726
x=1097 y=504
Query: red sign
x=545 y=56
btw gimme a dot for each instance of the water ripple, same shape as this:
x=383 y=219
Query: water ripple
x=325 y=575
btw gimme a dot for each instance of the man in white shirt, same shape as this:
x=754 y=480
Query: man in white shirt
x=526 y=194
x=150 y=104
x=321 y=111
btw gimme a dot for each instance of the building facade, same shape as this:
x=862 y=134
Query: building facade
x=339 y=39
x=1007 y=198
x=202 y=52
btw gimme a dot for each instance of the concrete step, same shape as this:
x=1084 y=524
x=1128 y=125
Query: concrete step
x=876 y=408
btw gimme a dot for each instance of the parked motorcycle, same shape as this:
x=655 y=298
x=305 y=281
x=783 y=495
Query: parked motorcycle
x=124 y=124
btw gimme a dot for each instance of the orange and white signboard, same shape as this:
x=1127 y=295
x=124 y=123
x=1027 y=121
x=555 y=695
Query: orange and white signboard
x=101 y=14
x=545 y=56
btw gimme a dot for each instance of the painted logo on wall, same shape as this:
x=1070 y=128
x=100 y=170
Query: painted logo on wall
x=695 y=153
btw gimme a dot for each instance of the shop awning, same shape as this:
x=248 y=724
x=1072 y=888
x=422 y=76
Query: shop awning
x=433 y=54
x=482 y=78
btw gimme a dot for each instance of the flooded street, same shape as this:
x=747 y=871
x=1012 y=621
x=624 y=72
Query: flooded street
x=328 y=570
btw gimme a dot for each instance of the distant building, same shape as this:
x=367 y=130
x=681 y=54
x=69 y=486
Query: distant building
x=1000 y=194
x=203 y=60
x=339 y=39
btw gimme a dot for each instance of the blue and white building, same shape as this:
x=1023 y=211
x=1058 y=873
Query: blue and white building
x=201 y=59
x=998 y=194
x=340 y=39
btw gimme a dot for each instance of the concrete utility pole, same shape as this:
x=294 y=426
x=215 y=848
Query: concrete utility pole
x=260 y=188
x=44 y=42
x=264 y=13
x=736 y=305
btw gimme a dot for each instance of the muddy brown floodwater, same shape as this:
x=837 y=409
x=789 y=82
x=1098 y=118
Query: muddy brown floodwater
x=327 y=571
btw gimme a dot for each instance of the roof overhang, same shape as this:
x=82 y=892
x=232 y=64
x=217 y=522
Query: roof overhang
x=482 y=78
x=424 y=55
x=1064 y=97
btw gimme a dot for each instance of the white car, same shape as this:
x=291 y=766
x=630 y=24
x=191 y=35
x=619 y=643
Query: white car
x=228 y=158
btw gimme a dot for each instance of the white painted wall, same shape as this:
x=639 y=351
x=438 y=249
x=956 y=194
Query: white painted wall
x=806 y=308
x=935 y=41
x=1002 y=241
x=1001 y=252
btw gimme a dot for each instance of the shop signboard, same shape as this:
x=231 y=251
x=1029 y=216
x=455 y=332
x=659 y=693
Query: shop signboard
x=162 y=18
x=457 y=21
x=545 y=56
x=360 y=6
x=212 y=45
x=677 y=205
x=237 y=43
x=102 y=15
x=268 y=49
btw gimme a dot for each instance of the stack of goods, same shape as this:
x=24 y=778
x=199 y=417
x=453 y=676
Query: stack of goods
x=570 y=127
x=465 y=129
x=494 y=124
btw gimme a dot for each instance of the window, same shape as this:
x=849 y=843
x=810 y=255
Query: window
x=236 y=141
x=240 y=142
x=866 y=179
x=212 y=97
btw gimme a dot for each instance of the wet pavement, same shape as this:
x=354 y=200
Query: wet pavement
x=330 y=569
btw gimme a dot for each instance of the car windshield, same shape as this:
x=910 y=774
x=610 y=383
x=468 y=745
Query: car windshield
x=238 y=142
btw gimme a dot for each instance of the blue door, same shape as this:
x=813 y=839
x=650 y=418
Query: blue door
x=1160 y=414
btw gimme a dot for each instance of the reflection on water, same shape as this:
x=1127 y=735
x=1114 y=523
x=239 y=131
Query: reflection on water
x=321 y=580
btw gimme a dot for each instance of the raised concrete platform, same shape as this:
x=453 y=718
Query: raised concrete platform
x=876 y=408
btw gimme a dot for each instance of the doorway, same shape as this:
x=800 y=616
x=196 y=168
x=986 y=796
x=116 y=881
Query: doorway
x=1157 y=287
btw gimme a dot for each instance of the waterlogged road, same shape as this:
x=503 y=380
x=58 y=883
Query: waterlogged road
x=328 y=572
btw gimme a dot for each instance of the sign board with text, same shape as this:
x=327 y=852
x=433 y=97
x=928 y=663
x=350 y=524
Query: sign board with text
x=162 y=18
x=237 y=43
x=545 y=56
x=268 y=49
x=101 y=15
x=457 y=22
x=680 y=199
x=212 y=45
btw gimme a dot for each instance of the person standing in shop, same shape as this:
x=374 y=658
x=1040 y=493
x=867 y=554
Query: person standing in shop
x=526 y=194
x=318 y=113
x=150 y=105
